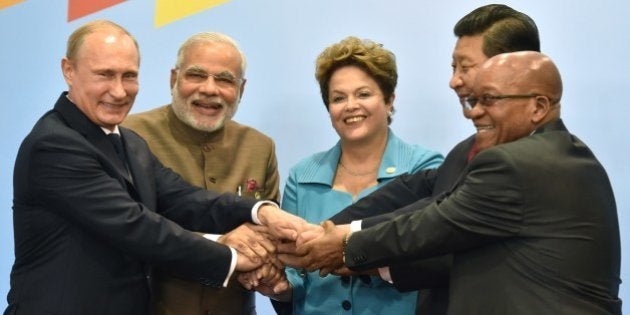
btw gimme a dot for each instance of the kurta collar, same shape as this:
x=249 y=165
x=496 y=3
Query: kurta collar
x=323 y=171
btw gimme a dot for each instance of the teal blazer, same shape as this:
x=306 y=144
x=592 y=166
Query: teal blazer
x=308 y=193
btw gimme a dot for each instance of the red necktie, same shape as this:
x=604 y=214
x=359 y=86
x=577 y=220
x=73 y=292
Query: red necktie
x=472 y=152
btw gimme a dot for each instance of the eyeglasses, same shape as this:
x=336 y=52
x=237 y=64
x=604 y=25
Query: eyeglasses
x=223 y=79
x=487 y=99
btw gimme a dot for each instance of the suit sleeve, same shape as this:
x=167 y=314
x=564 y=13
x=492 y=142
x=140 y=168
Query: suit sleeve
x=415 y=206
x=75 y=181
x=193 y=208
x=400 y=192
x=433 y=272
x=415 y=188
x=486 y=207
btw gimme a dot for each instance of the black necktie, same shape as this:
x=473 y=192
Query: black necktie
x=118 y=145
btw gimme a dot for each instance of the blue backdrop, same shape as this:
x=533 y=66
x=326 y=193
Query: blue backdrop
x=588 y=40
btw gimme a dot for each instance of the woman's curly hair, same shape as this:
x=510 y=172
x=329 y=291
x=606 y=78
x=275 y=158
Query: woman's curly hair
x=378 y=62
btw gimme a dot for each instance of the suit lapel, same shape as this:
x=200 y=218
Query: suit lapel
x=93 y=134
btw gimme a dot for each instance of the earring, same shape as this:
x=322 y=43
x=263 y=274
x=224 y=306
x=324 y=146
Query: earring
x=389 y=113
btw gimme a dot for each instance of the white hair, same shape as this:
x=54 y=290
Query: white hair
x=209 y=37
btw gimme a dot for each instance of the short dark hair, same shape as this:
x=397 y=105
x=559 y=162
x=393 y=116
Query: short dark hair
x=503 y=28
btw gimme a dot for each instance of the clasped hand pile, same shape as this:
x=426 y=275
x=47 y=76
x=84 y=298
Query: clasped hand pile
x=282 y=240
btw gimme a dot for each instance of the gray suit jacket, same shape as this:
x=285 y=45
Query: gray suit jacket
x=532 y=226
x=86 y=233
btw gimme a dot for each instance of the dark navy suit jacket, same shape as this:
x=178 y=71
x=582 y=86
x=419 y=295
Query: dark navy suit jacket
x=86 y=232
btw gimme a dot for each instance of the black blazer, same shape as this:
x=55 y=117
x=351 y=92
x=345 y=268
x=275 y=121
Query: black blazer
x=86 y=233
x=532 y=226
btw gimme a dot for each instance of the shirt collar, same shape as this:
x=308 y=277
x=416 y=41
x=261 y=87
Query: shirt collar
x=323 y=170
x=107 y=131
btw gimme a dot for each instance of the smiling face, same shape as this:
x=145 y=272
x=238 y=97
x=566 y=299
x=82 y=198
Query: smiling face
x=208 y=85
x=103 y=77
x=503 y=120
x=468 y=56
x=357 y=109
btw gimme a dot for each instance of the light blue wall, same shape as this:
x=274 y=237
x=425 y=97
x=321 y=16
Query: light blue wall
x=588 y=40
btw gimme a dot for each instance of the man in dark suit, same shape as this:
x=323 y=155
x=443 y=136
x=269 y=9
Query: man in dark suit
x=532 y=225
x=91 y=215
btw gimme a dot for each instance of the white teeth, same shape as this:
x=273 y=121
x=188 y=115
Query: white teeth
x=354 y=119
x=484 y=128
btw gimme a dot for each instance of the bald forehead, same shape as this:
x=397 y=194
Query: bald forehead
x=107 y=37
x=77 y=38
x=527 y=69
x=519 y=61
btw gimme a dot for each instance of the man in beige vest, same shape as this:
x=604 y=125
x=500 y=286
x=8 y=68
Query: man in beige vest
x=197 y=138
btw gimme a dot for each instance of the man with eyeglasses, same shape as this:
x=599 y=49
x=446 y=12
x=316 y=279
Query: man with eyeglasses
x=532 y=224
x=197 y=138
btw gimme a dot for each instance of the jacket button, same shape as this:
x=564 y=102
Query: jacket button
x=346 y=305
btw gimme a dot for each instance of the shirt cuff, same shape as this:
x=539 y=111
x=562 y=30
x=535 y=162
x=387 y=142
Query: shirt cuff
x=355 y=226
x=257 y=206
x=385 y=274
x=232 y=266
x=215 y=238
x=212 y=237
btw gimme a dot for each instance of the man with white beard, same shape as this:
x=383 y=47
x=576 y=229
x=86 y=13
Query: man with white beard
x=197 y=138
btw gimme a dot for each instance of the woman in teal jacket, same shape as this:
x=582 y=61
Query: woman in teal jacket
x=357 y=80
